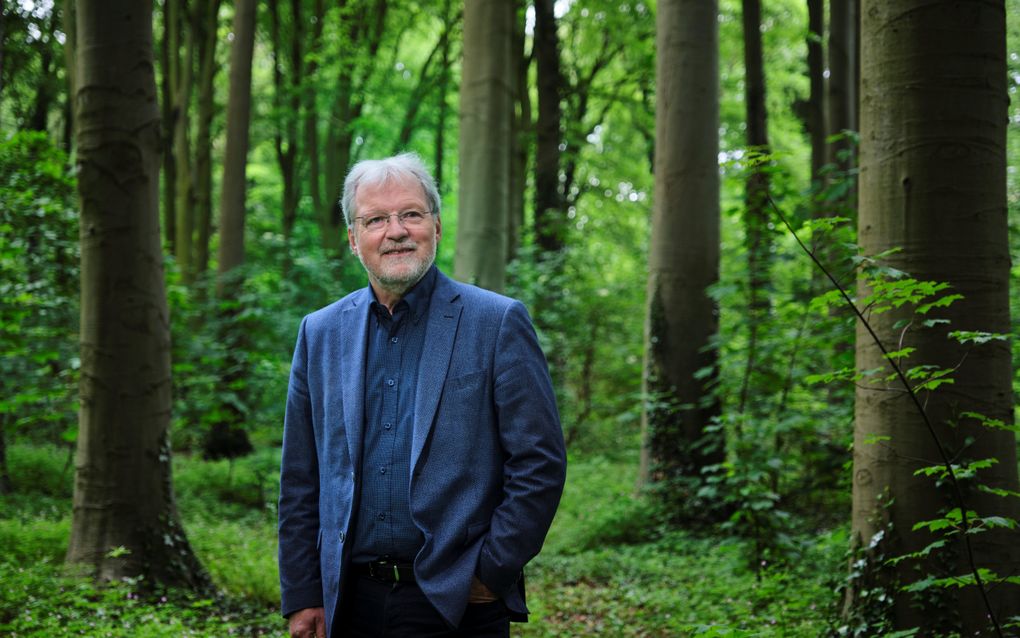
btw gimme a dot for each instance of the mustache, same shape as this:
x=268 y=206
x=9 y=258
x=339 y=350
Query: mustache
x=394 y=246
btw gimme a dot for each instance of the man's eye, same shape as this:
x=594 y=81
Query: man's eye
x=412 y=216
x=375 y=222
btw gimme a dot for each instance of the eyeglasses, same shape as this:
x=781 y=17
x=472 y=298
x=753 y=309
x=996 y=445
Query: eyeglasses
x=407 y=219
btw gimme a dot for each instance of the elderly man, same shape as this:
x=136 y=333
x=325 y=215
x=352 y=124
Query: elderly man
x=423 y=458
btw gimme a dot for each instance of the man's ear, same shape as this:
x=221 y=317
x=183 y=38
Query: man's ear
x=352 y=241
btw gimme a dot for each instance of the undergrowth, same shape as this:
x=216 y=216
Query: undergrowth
x=609 y=567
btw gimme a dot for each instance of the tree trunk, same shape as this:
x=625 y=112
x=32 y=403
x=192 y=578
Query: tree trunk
x=519 y=136
x=816 y=79
x=933 y=186
x=443 y=108
x=550 y=219
x=70 y=51
x=311 y=111
x=183 y=194
x=3 y=36
x=227 y=436
x=125 y=522
x=6 y=487
x=364 y=31
x=206 y=23
x=286 y=102
x=235 y=157
x=683 y=254
x=841 y=93
x=169 y=59
x=486 y=110
x=757 y=241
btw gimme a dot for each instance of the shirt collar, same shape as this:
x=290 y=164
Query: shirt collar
x=416 y=299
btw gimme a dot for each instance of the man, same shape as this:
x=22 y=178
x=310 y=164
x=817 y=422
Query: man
x=422 y=453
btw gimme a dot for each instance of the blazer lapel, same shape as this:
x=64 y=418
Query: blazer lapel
x=444 y=316
x=353 y=336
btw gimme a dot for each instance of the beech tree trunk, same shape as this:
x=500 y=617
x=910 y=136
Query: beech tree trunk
x=486 y=111
x=757 y=236
x=550 y=218
x=841 y=89
x=227 y=436
x=816 y=79
x=185 y=207
x=933 y=186
x=684 y=252
x=235 y=159
x=363 y=29
x=125 y=522
x=206 y=21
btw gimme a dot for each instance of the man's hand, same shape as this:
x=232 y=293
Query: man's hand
x=480 y=593
x=308 y=623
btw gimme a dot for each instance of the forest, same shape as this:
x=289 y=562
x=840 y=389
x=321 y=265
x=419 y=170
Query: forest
x=771 y=249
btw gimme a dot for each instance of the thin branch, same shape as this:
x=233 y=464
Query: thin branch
x=953 y=480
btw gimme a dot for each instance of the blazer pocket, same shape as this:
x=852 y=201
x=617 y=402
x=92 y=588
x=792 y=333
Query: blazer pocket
x=465 y=381
x=474 y=532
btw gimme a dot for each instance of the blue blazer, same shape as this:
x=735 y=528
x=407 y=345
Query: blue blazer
x=487 y=455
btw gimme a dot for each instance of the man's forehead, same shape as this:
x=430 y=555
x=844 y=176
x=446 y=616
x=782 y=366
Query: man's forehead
x=392 y=191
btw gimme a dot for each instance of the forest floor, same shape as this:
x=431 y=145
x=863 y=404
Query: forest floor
x=608 y=569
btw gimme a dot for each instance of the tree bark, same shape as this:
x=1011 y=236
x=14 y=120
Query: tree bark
x=183 y=193
x=364 y=31
x=841 y=90
x=816 y=98
x=227 y=436
x=486 y=111
x=206 y=23
x=550 y=218
x=125 y=522
x=443 y=108
x=933 y=186
x=287 y=104
x=520 y=132
x=169 y=59
x=684 y=253
x=70 y=51
x=235 y=157
x=757 y=241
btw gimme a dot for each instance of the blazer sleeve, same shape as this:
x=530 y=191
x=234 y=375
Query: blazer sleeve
x=300 y=578
x=534 y=453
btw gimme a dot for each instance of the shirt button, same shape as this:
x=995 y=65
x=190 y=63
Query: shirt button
x=390 y=382
x=387 y=425
x=382 y=470
x=382 y=517
x=394 y=339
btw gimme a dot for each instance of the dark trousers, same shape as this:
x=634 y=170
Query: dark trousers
x=376 y=609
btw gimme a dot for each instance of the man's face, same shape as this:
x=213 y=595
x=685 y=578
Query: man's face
x=395 y=257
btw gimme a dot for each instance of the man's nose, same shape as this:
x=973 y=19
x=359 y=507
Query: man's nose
x=394 y=228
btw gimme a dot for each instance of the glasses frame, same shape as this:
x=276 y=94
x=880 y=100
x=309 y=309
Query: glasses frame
x=402 y=219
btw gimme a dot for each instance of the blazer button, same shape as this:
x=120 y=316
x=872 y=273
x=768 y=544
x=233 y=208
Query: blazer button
x=341 y=537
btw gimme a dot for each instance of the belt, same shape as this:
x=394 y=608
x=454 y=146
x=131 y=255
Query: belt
x=388 y=571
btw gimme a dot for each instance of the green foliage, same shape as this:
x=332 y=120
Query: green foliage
x=235 y=541
x=38 y=289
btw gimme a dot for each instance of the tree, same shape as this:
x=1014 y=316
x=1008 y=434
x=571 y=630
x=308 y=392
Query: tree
x=933 y=202
x=486 y=110
x=362 y=28
x=227 y=436
x=125 y=522
x=684 y=251
x=550 y=218
x=816 y=99
x=757 y=239
x=841 y=89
